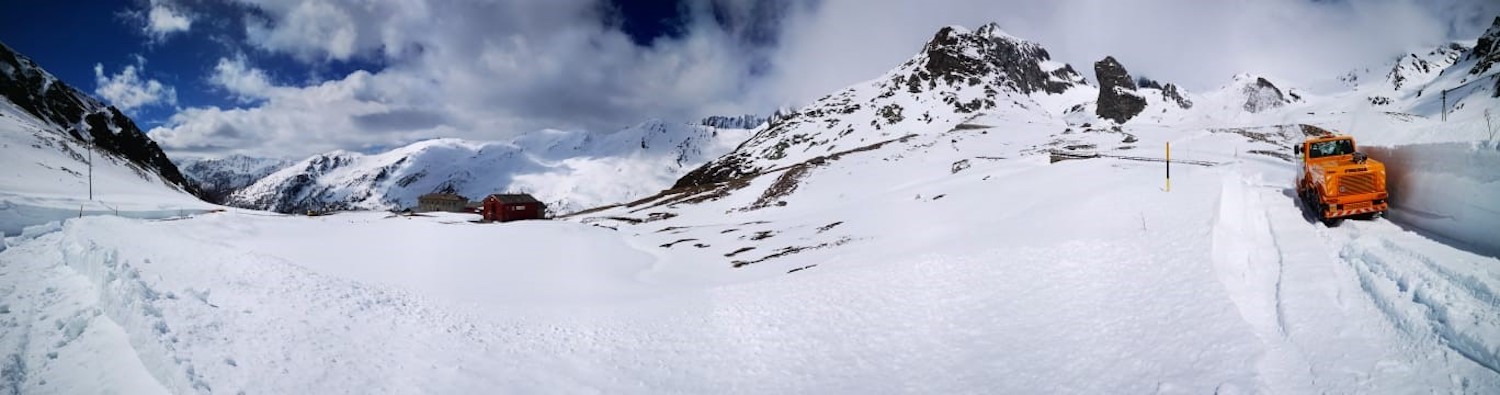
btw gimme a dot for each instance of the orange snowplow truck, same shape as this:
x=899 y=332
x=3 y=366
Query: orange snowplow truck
x=1339 y=182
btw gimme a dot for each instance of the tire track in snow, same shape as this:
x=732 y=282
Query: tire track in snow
x=53 y=331
x=1255 y=278
x=1428 y=299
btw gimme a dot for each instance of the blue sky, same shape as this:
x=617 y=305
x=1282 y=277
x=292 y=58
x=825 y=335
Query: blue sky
x=63 y=36
x=295 y=77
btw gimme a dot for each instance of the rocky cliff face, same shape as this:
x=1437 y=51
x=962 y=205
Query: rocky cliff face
x=1118 y=99
x=82 y=117
x=1486 y=50
x=747 y=121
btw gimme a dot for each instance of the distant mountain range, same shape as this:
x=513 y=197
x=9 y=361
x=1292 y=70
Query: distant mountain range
x=957 y=76
x=569 y=170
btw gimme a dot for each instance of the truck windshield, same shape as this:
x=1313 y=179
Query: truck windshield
x=1331 y=148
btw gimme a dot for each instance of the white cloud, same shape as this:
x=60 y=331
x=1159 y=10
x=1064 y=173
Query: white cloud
x=128 y=91
x=161 y=21
x=488 y=70
x=237 y=77
x=1196 y=43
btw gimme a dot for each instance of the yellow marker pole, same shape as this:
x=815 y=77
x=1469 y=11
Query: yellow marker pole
x=1169 y=166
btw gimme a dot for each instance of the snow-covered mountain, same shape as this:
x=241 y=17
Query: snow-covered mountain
x=958 y=74
x=220 y=177
x=57 y=144
x=976 y=97
x=569 y=170
x=980 y=227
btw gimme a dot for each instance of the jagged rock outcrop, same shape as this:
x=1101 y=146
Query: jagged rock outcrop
x=1261 y=95
x=1487 y=50
x=87 y=120
x=1173 y=94
x=1118 y=99
x=955 y=56
x=1147 y=83
x=747 y=121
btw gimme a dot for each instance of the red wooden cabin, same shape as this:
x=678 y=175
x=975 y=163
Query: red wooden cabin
x=512 y=207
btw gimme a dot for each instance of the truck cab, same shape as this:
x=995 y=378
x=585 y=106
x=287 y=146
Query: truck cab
x=1337 y=181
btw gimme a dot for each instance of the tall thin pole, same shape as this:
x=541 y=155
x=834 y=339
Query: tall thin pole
x=1445 y=106
x=91 y=172
x=1169 y=166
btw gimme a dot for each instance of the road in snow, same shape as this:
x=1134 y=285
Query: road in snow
x=1220 y=285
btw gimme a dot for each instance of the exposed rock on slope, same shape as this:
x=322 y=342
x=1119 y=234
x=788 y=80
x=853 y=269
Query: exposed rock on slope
x=1118 y=99
x=1487 y=49
x=1175 y=95
x=747 y=121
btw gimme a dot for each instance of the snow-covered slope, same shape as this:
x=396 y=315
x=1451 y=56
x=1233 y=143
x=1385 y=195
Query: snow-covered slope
x=568 y=170
x=964 y=255
x=220 y=177
x=50 y=134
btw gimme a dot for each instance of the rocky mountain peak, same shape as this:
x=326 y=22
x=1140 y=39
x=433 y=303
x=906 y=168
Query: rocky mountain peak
x=1262 y=95
x=1487 y=50
x=957 y=55
x=1118 y=99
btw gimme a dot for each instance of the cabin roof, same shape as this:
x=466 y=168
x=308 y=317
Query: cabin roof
x=511 y=198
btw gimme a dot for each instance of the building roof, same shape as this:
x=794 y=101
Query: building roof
x=443 y=196
x=510 y=198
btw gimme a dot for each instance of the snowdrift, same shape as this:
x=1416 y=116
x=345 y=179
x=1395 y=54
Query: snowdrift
x=1448 y=189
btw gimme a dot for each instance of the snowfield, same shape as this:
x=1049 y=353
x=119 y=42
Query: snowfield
x=929 y=231
x=1220 y=285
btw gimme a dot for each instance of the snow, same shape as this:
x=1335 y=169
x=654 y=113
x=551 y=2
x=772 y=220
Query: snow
x=956 y=259
x=1448 y=189
x=1218 y=285
x=44 y=176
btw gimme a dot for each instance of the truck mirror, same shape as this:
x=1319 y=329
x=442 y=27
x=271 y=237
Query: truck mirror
x=1298 y=149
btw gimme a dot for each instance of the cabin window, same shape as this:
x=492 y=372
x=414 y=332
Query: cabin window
x=1332 y=148
x=517 y=208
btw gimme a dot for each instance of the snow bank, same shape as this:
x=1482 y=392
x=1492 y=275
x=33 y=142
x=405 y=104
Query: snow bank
x=1449 y=189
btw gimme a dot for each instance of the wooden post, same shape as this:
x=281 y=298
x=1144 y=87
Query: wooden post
x=1169 y=166
x=91 y=171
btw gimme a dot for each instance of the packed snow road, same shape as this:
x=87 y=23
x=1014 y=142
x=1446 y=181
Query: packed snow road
x=1220 y=285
